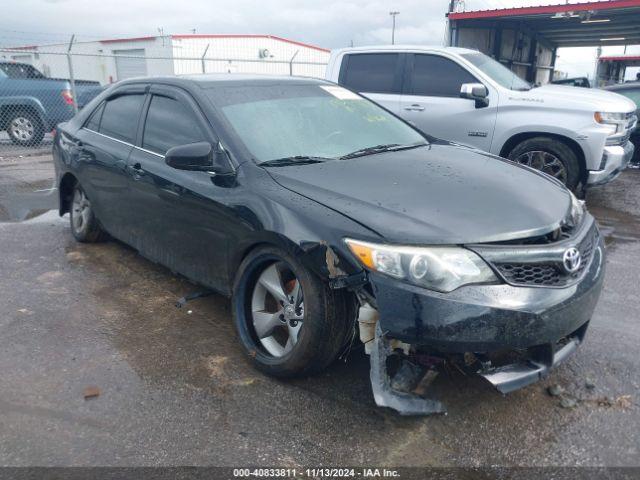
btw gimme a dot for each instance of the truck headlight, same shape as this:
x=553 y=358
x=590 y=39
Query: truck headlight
x=437 y=268
x=615 y=122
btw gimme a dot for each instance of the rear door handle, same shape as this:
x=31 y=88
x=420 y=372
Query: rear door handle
x=414 y=108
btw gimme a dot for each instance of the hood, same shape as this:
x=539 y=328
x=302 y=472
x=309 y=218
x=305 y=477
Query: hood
x=440 y=194
x=591 y=99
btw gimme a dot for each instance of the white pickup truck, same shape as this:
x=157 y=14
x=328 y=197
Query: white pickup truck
x=579 y=136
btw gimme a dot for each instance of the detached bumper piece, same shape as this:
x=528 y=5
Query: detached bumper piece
x=382 y=384
x=512 y=377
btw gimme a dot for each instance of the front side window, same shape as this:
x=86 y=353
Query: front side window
x=283 y=121
x=371 y=72
x=496 y=71
x=120 y=117
x=436 y=76
x=169 y=123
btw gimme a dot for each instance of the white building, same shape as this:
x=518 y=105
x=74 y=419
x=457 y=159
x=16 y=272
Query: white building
x=108 y=61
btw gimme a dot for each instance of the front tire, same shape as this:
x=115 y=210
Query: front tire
x=25 y=128
x=84 y=224
x=550 y=156
x=289 y=321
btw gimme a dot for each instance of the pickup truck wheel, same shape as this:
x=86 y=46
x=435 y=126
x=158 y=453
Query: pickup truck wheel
x=25 y=128
x=84 y=224
x=289 y=322
x=549 y=156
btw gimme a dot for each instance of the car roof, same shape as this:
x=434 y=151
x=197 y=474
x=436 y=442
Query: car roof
x=208 y=80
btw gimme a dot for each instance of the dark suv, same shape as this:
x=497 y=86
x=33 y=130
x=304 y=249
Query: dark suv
x=323 y=216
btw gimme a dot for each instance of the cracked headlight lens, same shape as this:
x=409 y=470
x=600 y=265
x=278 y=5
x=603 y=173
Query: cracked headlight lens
x=437 y=268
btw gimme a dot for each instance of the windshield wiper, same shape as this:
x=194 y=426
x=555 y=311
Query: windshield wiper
x=390 y=147
x=295 y=160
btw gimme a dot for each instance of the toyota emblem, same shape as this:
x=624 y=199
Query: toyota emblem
x=571 y=260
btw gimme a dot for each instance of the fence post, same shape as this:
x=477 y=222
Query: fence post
x=291 y=63
x=204 y=70
x=71 y=79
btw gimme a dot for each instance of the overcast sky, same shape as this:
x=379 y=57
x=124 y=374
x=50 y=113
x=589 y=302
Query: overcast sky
x=327 y=23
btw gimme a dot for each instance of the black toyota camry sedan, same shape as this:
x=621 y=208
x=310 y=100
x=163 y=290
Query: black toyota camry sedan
x=330 y=221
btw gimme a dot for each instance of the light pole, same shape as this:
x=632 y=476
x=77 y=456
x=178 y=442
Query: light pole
x=393 y=26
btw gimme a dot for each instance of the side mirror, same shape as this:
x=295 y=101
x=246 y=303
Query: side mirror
x=199 y=157
x=477 y=92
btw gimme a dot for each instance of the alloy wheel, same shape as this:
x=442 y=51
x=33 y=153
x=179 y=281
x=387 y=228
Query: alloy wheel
x=277 y=309
x=545 y=162
x=81 y=210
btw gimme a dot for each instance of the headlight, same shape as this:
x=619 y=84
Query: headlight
x=577 y=209
x=438 y=268
x=615 y=122
x=609 y=117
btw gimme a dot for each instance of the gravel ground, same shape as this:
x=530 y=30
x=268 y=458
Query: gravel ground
x=176 y=390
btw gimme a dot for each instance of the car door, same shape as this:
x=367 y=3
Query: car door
x=103 y=146
x=180 y=214
x=376 y=75
x=431 y=101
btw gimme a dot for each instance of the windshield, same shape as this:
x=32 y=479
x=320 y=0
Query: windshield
x=497 y=71
x=278 y=121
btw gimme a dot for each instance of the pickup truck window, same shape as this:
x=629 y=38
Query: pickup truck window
x=371 y=72
x=20 y=70
x=169 y=124
x=496 y=71
x=120 y=117
x=436 y=76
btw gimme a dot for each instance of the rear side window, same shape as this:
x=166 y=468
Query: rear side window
x=20 y=70
x=94 y=120
x=169 y=124
x=435 y=76
x=120 y=117
x=371 y=72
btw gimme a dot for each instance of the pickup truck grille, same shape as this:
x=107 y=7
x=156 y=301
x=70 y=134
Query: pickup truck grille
x=551 y=274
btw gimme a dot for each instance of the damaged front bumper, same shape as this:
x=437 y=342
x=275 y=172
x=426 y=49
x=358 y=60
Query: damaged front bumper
x=513 y=334
x=514 y=376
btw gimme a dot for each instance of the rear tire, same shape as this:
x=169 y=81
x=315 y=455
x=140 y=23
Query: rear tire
x=326 y=317
x=85 y=227
x=550 y=156
x=25 y=128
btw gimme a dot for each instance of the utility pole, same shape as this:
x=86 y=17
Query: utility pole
x=393 y=26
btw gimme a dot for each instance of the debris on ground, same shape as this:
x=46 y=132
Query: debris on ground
x=589 y=384
x=568 y=402
x=91 y=392
x=555 y=390
x=623 y=401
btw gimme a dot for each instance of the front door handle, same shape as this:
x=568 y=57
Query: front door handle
x=137 y=170
x=414 y=108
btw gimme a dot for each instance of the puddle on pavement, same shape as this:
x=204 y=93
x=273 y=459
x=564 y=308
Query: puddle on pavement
x=617 y=226
x=19 y=207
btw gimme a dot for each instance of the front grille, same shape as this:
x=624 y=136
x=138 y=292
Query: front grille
x=550 y=274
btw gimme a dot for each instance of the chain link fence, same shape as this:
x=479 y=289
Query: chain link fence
x=43 y=85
